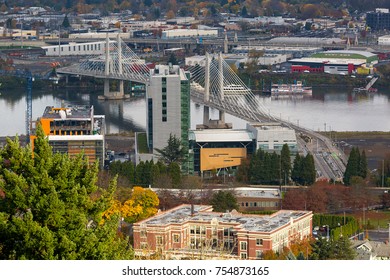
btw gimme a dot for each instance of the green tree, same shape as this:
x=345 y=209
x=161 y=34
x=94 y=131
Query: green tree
x=353 y=164
x=297 y=169
x=175 y=174
x=173 y=152
x=363 y=166
x=332 y=249
x=65 y=22
x=285 y=163
x=309 y=171
x=52 y=207
x=224 y=200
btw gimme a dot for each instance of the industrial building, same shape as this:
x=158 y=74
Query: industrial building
x=168 y=107
x=189 y=33
x=335 y=62
x=73 y=130
x=195 y=231
x=91 y=48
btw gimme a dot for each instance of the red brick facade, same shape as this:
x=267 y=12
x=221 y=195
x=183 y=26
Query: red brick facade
x=223 y=235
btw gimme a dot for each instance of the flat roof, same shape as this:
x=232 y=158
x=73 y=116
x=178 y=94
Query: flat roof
x=239 y=192
x=329 y=60
x=221 y=135
x=69 y=112
x=76 y=137
x=202 y=213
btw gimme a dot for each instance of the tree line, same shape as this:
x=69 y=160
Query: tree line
x=274 y=169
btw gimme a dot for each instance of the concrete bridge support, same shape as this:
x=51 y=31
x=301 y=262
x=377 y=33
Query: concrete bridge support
x=119 y=94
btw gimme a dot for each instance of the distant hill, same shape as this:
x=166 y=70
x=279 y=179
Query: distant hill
x=171 y=8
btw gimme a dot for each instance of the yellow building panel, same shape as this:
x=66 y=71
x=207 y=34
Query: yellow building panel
x=214 y=158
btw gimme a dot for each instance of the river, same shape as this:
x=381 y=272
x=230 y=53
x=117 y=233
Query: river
x=329 y=108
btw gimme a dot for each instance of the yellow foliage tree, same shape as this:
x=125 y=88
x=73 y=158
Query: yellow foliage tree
x=141 y=205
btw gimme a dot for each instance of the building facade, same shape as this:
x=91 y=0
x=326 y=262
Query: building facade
x=195 y=231
x=378 y=20
x=168 y=107
x=72 y=130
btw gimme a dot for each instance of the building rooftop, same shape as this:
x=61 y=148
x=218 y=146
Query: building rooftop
x=221 y=135
x=329 y=60
x=71 y=112
x=264 y=223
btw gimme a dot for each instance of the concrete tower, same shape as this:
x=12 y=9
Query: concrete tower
x=168 y=106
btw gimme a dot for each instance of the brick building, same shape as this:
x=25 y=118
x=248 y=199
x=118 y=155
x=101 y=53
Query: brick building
x=194 y=230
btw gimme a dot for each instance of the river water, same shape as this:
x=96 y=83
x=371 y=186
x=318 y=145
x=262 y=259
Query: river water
x=329 y=108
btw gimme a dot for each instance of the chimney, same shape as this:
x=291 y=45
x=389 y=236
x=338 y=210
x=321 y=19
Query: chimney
x=192 y=210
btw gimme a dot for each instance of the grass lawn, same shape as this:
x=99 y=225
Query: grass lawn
x=374 y=219
x=142 y=143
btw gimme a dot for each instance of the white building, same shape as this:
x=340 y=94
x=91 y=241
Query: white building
x=168 y=106
x=271 y=137
x=384 y=40
x=99 y=35
x=188 y=33
x=91 y=48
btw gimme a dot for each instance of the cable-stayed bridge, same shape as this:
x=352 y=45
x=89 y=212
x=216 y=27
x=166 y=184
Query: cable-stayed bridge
x=213 y=84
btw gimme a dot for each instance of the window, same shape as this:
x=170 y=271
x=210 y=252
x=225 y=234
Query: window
x=243 y=245
x=164 y=119
x=144 y=245
x=143 y=233
x=259 y=254
x=176 y=238
x=244 y=256
x=159 y=240
x=259 y=241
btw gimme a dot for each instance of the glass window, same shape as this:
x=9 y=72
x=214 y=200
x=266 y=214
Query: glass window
x=259 y=241
x=244 y=256
x=176 y=238
x=159 y=240
x=243 y=245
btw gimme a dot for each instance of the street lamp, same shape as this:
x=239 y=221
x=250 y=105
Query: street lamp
x=327 y=231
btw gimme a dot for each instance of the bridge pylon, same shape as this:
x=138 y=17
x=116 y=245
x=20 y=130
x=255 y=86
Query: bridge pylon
x=108 y=69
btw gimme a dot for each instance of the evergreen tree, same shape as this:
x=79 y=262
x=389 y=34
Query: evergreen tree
x=285 y=163
x=175 y=174
x=173 y=152
x=224 y=200
x=139 y=173
x=363 y=166
x=308 y=175
x=52 y=207
x=297 y=169
x=352 y=168
x=65 y=22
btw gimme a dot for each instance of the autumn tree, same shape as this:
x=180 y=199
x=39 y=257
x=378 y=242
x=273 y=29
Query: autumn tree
x=142 y=204
x=51 y=207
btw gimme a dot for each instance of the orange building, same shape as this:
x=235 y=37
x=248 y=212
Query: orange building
x=194 y=230
x=73 y=130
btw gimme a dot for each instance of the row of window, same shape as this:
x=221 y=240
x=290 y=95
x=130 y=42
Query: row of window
x=260 y=204
x=93 y=47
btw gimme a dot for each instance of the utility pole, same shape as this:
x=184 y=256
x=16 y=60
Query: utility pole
x=383 y=173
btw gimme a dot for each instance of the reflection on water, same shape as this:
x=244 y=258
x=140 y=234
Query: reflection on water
x=333 y=108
